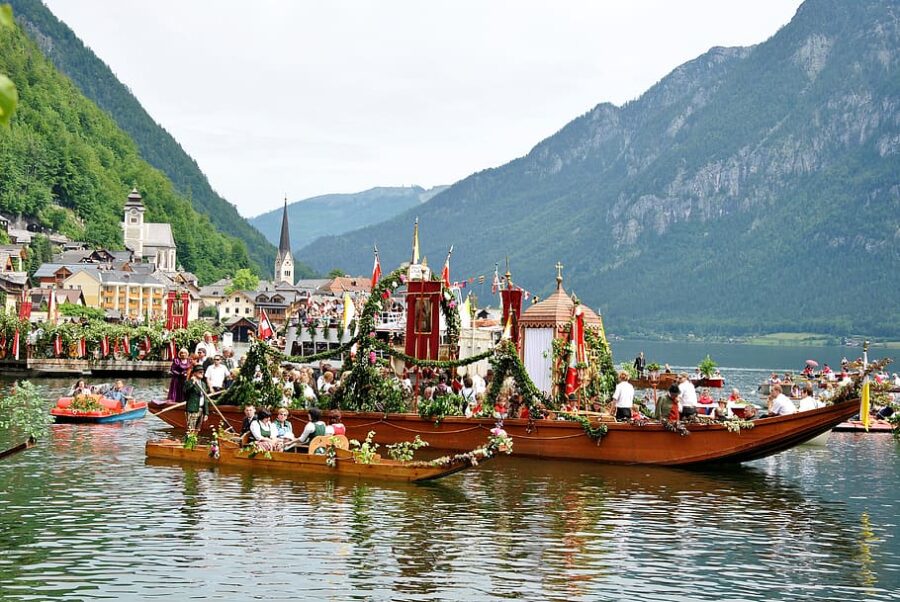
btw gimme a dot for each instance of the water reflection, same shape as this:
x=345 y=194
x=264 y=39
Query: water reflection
x=85 y=516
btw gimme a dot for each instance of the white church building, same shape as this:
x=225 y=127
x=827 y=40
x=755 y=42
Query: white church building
x=152 y=243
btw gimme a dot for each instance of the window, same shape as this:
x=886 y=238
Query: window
x=237 y=299
x=133 y=220
x=227 y=309
x=247 y=310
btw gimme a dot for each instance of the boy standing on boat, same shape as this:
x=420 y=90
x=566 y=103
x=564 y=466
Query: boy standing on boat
x=623 y=398
x=688 y=404
x=195 y=405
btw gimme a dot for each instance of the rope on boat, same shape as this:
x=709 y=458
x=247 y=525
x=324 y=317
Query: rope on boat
x=403 y=428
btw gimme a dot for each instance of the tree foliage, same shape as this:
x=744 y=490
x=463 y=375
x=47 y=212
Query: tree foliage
x=64 y=160
x=98 y=83
x=243 y=280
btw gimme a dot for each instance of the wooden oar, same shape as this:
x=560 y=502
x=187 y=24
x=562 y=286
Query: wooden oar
x=181 y=404
x=29 y=443
x=219 y=412
x=177 y=405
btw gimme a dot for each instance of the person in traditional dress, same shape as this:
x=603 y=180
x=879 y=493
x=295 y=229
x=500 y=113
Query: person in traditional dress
x=283 y=426
x=314 y=428
x=263 y=432
x=667 y=405
x=195 y=400
x=179 y=370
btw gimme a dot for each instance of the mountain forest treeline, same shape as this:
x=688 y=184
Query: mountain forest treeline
x=66 y=163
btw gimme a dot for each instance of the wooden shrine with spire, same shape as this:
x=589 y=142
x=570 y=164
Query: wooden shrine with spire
x=545 y=321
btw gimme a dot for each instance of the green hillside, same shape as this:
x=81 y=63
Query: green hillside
x=156 y=145
x=66 y=161
x=750 y=190
x=338 y=213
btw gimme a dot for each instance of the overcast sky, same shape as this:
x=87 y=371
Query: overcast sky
x=310 y=98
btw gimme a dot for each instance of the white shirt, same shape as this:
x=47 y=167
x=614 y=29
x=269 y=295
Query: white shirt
x=810 y=403
x=624 y=394
x=688 y=395
x=215 y=375
x=478 y=383
x=210 y=348
x=782 y=406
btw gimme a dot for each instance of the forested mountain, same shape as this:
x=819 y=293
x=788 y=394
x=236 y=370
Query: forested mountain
x=751 y=189
x=338 y=213
x=156 y=145
x=67 y=162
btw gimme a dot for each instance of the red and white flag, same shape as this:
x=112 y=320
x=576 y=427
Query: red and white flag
x=82 y=347
x=376 y=270
x=147 y=345
x=57 y=346
x=126 y=344
x=445 y=273
x=15 y=347
x=25 y=306
x=572 y=383
x=265 y=327
x=104 y=346
x=578 y=335
x=172 y=351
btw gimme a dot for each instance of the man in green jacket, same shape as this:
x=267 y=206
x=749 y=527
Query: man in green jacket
x=196 y=404
x=666 y=403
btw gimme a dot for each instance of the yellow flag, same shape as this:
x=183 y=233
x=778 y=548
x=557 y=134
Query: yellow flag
x=349 y=311
x=865 y=404
x=465 y=314
x=507 y=330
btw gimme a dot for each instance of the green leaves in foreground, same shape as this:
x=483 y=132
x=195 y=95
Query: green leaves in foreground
x=6 y=16
x=9 y=97
x=24 y=411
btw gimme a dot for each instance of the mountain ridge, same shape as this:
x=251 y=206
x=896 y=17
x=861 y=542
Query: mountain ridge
x=341 y=212
x=732 y=179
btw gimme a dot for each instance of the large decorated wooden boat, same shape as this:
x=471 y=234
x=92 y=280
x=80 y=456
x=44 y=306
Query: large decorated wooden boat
x=100 y=410
x=623 y=443
x=341 y=463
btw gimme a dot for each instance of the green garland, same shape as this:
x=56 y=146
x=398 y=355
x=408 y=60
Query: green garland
x=94 y=331
x=445 y=364
x=246 y=390
x=506 y=362
x=596 y=433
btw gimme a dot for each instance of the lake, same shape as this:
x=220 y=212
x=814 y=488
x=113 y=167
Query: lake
x=84 y=516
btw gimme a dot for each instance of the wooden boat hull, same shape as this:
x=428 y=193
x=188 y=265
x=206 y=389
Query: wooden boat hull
x=302 y=463
x=623 y=444
x=131 y=412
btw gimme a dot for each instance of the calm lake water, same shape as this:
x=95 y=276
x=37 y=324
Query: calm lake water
x=84 y=516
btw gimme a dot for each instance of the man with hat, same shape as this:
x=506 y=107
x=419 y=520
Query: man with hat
x=195 y=403
x=667 y=405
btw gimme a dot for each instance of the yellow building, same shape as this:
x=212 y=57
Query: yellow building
x=132 y=295
x=88 y=282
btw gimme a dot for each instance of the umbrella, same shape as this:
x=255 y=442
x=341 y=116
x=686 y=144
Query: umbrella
x=812 y=363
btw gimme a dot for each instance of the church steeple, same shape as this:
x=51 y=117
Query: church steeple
x=284 y=246
x=284 y=261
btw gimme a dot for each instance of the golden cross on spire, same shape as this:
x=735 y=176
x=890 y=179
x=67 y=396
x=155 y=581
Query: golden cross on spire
x=559 y=267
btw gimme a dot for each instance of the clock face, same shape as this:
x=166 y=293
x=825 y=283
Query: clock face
x=134 y=212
